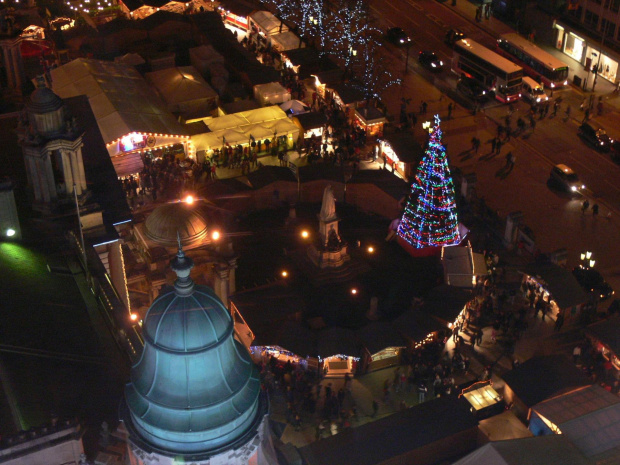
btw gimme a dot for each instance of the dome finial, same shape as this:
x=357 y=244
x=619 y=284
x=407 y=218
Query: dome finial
x=182 y=265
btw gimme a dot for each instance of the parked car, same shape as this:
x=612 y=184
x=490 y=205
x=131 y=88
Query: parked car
x=454 y=35
x=595 y=134
x=430 y=60
x=592 y=281
x=398 y=37
x=565 y=178
x=615 y=151
x=472 y=89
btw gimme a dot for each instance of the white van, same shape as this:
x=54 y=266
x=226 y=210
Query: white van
x=533 y=91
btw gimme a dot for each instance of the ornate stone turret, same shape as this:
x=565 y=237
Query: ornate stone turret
x=195 y=393
x=331 y=251
x=52 y=147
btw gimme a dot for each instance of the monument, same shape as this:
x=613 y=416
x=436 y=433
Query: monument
x=331 y=250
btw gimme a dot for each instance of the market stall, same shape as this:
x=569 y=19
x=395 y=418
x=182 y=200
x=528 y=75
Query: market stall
x=604 y=338
x=483 y=399
x=382 y=346
x=311 y=124
x=558 y=287
x=271 y=93
x=338 y=352
x=235 y=14
x=371 y=120
x=131 y=117
x=462 y=267
x=286 y=41
x=185 y=92
x=243 y=128
x=401 y=152
x=266 y=23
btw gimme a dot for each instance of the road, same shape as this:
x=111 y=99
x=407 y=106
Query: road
x=555 y=218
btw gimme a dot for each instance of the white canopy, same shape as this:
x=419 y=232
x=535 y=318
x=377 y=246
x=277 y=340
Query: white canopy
x=121 y=100
x=184 y=91
x=286 y=41
x=271 y=93
x=268 y=23
x=236 y=128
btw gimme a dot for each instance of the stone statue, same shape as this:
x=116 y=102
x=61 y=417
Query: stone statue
x=328 y=209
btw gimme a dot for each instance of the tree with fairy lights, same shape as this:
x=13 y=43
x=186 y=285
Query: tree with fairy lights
x=430 y=218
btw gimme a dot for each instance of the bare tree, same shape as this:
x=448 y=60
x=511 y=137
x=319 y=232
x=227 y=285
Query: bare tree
x=351 y=26
x=371 y=67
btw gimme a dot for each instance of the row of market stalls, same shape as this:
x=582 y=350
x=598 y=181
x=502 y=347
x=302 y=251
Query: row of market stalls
x=269 y=322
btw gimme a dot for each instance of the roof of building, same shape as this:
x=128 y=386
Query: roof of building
x=181 y=85
x=558 y=281
x=540 y=378
x=378 y=335
x=121 y=100
x=311 y=62
x=269 y=174
x=176 y=220
x=44 y=100
x=554 y=449
x=238 y=7
x=608 y=332
x=407 y=149
x=195 y=388
x=311 y=120
x=385 y=439
x=349 y=94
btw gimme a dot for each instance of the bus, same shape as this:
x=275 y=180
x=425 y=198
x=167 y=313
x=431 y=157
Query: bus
x=540 y=65
x=495 y=72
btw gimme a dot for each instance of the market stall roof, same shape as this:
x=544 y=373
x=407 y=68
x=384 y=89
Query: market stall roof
x=540 y=378
x=121 y=99
x=407 y=149
x=271 y=93
x=416 y=325
x=608 y=332
x=559 y=282
x=237 y=128
x=180 y=85
x=577 y=403
x=554 y=449
x=446 y=302
x=461 y=263
x=337 y=341
x=349 y=94
x=266 y=309
x=310 y=62
x=379 y=335
x=321 y=172
x=266 y=175
x=238 y=7
x=286 y=41
x=311 y=120
x=371 y=115
x=268 y=22
x=132 y=59
x=384 y=440
x=394 y=186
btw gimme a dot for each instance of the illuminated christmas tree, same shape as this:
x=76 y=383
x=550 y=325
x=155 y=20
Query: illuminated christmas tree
x=430 y=218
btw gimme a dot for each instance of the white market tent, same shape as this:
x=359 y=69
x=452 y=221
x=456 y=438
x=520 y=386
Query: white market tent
x=271 y=93
x=203 y=56
x=121 y=100
x=237 y=128
x=286 y=41
x=184 y=91
x=267 y=23
x=462 y=266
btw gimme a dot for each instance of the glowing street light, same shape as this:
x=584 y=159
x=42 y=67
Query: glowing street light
x=371 y=249
x=189 y=199
x=215 y=235
x=354 y=291
x=10 y=232
x=305 y=234
x=133 y=316
x=284 y=273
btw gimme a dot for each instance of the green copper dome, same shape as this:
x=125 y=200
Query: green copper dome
x=195 y=388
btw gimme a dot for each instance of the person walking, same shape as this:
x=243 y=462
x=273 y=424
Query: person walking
x=584 y=206
x=556 y=105
x=450 y=110
x=567 y=112
x=493 y=144
x=586 y=115
x=498 y=147
x=595 y=209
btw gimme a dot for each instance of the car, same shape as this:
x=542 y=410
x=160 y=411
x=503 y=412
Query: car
x=595 y=134
x=430 y=60
x=592 y=281
x=615 y=151
x=565 y=178
x=398 y=37
x=533 y=91
x=453 y=36
x=472 y=89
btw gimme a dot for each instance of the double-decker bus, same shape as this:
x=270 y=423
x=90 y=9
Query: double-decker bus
x=539 y=64
x=495 y=72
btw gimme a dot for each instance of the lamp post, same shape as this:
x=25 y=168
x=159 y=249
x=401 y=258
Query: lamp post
x=600 y=54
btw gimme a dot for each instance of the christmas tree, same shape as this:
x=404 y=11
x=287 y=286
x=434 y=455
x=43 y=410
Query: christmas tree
x=430 y=218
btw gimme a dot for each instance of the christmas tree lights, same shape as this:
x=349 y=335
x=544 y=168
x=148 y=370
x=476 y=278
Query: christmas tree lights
x=430 y=218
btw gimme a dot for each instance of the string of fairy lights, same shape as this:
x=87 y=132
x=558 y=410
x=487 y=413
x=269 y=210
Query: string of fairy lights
x=88 y=6
x=430 y=217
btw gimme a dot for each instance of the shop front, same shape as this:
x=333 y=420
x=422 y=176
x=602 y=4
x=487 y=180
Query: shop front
x=338 y=366
x=371 y=120
x=603 y=336
x=606 y=66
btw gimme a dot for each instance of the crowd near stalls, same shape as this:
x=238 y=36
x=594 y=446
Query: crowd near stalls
x=553 y=290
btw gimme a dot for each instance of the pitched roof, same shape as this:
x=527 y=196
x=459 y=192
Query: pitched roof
x=407 y=149
x=269 y=174
x=540 y=378
x=559 y=282
x=388 y=438
x=608 y=332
